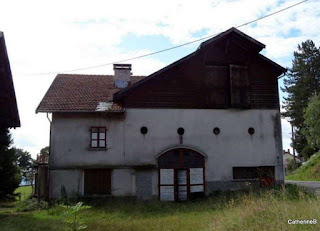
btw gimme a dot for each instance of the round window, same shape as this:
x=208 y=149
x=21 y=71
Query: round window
x=180 y=131
x=216 y=131
x=251 y=131
x=144 y=130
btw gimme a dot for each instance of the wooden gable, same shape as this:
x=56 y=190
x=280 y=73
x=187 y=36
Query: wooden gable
x=227 y=72
x=9 y=115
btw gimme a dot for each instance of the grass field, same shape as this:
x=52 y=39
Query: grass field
x=25 y=191
x=310 y=171
x=263 y=210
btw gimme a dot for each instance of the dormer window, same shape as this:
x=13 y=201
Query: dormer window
x=98 y=137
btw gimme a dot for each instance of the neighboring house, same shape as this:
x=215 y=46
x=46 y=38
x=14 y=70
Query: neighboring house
x=209 y=121
x=41 y=177
x=287 y=157
x=9 y=115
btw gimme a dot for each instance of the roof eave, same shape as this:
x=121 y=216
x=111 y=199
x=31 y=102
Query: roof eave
x=280 y=68
x=119 y=94
x=88 y=111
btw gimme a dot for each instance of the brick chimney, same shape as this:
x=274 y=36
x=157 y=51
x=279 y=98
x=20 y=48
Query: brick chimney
x=122 y=75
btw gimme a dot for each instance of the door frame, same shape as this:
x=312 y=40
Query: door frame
x=181 y=167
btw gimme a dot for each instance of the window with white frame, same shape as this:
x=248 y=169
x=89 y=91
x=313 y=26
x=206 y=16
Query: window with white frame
x=98 y=137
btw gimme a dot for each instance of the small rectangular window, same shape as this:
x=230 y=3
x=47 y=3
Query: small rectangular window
x=253 y=172
x=98 y=137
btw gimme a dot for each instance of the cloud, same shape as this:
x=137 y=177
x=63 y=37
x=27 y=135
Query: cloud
x=60 y=35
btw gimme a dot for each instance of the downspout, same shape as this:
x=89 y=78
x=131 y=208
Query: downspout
x=49 y=165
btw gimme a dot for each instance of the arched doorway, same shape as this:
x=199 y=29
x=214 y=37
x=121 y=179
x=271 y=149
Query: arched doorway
x=181 y=173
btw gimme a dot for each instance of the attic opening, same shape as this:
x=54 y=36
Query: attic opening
x=227 y=86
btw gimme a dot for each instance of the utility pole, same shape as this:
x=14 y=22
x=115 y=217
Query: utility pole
x=293 y=144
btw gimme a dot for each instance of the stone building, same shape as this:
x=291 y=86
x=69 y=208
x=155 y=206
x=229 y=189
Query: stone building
x=209 y=121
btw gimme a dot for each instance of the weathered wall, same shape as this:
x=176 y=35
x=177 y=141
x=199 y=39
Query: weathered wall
x=71 y=180
x=127 y=146
x=122 y=182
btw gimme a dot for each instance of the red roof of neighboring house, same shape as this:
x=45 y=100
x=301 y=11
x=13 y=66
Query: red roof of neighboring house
x=80 y=93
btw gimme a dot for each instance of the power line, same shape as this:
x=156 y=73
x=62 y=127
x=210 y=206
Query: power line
x=170 y=48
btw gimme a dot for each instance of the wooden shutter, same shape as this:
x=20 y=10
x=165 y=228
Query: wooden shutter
x=97 y=181
x=239 y=87
x=216 y=87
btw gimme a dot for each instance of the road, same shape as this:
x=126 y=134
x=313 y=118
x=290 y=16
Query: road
x=311 y=186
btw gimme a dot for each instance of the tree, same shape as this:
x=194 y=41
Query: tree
x=45 y=151
x=312 y=122
x=301 y=82
x=9 y=172
x=26 y=164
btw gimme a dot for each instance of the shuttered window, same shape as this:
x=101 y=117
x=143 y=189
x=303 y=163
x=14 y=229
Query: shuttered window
x=97 y=181
x=239 y=87
x=217 y=87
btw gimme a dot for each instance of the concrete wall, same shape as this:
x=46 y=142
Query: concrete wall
x=123 y=182
x=71 y=180
x=126 y=146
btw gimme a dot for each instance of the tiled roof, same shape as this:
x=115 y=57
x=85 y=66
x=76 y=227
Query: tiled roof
x=81 y=93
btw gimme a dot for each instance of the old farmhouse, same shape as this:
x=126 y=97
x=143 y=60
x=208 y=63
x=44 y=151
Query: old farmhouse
x=209 y=121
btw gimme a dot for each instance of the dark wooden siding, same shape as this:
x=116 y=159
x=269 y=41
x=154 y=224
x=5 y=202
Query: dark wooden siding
x=97 y=181
x=263 y=85
x=204 y=81
x=9 y=116
x=264 y=94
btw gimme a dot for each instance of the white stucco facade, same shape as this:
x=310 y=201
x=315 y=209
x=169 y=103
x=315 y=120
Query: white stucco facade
x=128 y=150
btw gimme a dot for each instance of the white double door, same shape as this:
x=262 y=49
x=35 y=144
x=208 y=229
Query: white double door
x=180 y=184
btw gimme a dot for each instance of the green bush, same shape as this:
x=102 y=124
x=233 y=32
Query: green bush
x=307 y=152
x=72 y=219
x=293 y=166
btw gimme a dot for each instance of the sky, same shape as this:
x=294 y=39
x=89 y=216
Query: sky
x=48 y=37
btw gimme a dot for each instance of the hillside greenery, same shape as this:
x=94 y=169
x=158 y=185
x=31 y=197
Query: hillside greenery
x=310 y=171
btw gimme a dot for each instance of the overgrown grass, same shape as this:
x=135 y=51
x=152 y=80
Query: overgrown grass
x=310 y=171
x=25 y=191
x=260 y=210
x=9 y=206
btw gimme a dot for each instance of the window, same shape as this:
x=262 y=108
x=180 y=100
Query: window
x=98 y=137
x=144 y=130
x=253 y=172
x=239 y=87
x=97 y=181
